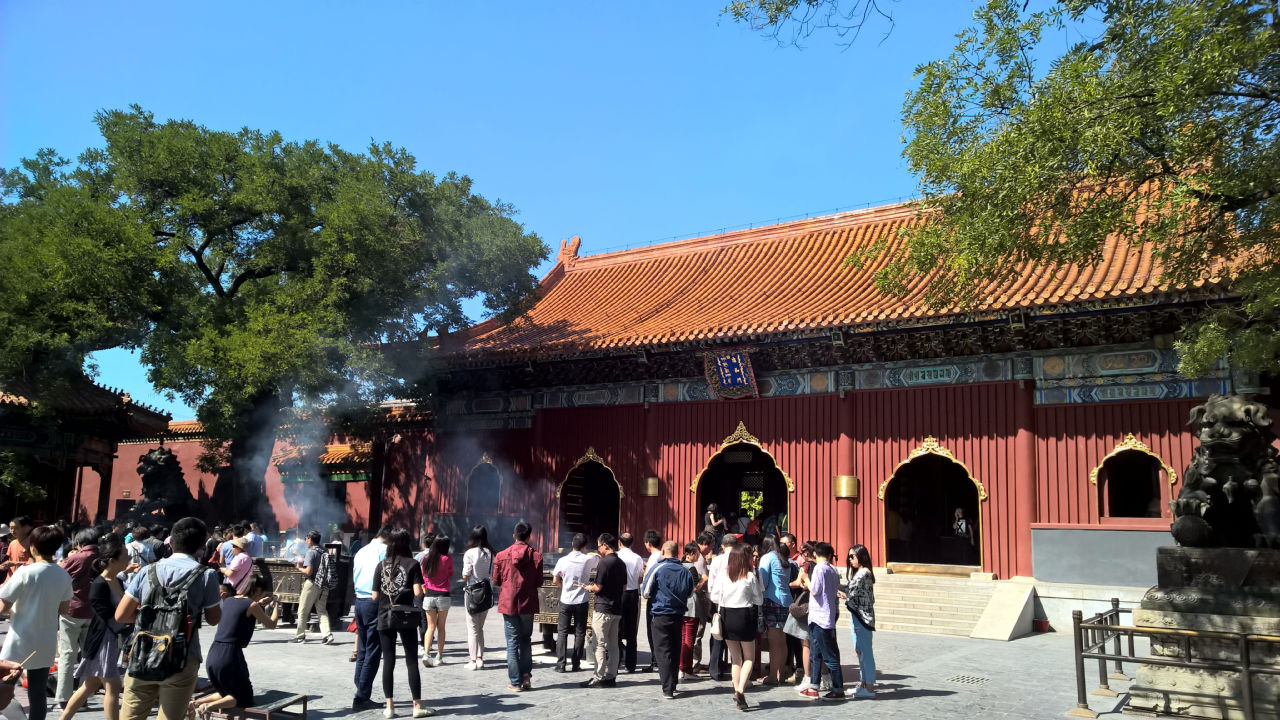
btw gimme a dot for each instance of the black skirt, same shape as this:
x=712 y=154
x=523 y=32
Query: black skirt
x=229 y=673
x=739 y=623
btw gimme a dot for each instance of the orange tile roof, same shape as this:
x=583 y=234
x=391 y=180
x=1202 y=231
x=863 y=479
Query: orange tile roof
x=332 y=455
x=186 y=427
x=86 y=399
x=768 y=280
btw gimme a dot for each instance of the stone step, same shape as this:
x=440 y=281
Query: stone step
x=956 y=600
x=901 y=608
x=962 y=631
x=928 y=617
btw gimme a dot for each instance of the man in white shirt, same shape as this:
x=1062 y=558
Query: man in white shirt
x=572 y=574
x=364 y=571
x=630 y=601
x=653 y=545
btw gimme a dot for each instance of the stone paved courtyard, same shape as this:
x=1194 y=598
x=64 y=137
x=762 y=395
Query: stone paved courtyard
x=920 y=678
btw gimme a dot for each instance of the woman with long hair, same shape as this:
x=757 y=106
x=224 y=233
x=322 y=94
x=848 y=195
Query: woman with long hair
x=775 y=582
x=714 y=523
x=36 y=594
x=862 y=605
x=477 y=567
x=737 y=591
x=399 y=582
x=437 y=574
x=798 y=628
x=99 y=660
x=227 y=669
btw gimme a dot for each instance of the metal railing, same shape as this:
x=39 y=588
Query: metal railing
x=1092 y=636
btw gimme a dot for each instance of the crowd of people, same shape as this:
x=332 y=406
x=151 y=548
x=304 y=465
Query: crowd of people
x=91 y=605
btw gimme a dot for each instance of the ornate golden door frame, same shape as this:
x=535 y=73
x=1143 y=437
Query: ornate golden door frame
x=1132 y=444
x=740 y=436
x=930 y=446
x=589 y=456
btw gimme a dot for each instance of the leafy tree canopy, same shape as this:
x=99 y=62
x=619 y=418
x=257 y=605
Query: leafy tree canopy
x=1160 y=127
x=245 y=267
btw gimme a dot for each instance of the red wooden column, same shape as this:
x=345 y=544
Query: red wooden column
x=844 y=467
x=1024 y=476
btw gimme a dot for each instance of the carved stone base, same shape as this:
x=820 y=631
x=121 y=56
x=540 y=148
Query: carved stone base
x=1210 y=590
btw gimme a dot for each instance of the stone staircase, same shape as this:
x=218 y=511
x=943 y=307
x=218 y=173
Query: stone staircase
x=926 y=604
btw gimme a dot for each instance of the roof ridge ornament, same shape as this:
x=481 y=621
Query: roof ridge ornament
x=568 y=255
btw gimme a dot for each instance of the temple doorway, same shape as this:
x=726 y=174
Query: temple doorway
x=590 y=500
x=484 y=484
x=921 y=503
x=744 y=482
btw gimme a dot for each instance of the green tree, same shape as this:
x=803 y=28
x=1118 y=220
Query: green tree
x=257 y=275
x=1159 y=126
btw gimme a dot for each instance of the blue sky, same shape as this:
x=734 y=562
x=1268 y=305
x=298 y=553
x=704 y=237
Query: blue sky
x=623 y=123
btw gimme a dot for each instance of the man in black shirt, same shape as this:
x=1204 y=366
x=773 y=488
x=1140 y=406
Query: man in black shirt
x=606 y=616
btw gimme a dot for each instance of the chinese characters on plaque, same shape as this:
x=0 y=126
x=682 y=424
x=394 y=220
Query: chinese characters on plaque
x=729 y=374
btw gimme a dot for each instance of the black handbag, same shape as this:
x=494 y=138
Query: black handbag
x=478 y=596
x=404 y=617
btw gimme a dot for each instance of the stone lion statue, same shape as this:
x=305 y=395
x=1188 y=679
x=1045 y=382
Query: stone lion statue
x=1231 y=490
x=164 y=488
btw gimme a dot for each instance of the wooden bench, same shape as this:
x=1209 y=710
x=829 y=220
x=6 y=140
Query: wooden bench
x=270 y=705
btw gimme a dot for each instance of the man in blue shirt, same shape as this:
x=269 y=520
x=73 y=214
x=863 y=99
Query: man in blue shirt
x=668 y=585
x=256 y=538
x=364 y=573
x=174 y=692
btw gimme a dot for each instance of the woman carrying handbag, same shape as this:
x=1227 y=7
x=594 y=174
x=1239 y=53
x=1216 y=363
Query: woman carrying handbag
x=477 y=584
x=399 y=582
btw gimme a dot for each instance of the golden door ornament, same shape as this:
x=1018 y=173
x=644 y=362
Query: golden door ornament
x=741 y=436
x=1131 y=443
x=931 y=447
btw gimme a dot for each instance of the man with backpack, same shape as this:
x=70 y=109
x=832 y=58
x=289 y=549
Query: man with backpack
x=166 y=601
x=319 y=577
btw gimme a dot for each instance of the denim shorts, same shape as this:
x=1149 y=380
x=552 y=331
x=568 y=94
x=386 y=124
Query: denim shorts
x=437 y=603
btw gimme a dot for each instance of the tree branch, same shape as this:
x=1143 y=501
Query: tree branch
x=214 y=281
x=247 y=275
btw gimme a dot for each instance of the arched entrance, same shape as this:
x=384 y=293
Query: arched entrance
x=1132 y=482
x=920 y=503
x=590 y=499
x=484 y=487
x=742 y=478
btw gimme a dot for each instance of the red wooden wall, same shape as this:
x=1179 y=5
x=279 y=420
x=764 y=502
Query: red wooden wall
x=1073 y=439
x=976 y=423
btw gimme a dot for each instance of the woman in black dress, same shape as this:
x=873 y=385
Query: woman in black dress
x=399 y=581
x=225 y=664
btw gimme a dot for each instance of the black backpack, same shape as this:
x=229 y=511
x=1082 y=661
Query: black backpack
x=327 y=573
x=162 y=634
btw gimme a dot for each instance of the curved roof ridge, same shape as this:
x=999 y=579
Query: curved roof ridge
x=732 y=237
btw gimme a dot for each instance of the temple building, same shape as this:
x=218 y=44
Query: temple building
x=759 y=371
x=69 y=436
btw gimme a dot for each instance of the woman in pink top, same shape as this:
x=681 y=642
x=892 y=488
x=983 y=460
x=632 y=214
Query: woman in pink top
x=437 y=574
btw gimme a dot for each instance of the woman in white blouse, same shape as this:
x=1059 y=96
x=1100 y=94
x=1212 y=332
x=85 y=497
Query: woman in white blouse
x=738 y=593
x=477 y=567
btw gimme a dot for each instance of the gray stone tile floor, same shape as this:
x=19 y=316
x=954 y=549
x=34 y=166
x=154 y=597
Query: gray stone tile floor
x=920 y=678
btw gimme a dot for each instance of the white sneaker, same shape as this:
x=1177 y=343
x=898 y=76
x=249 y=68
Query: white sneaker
x=825 y=685
x=388 y=713
x=439 y=660
x=863 y=693
x=423 y=712
x=430 y=661
x=471 y=665
x=683 y=677
x=479 y=664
